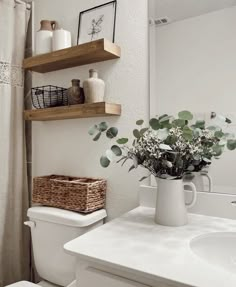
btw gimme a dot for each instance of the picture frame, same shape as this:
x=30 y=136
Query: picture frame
x=97 y=23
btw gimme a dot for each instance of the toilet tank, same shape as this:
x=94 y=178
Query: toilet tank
x=51 y=228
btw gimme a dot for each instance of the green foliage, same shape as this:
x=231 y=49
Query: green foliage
x=102 y=126
x=154 y=123
x=136 y=134
x=139 y=122
x=122 y=141
x=143 y=131
x=169 y=147
x=178 y=123
x=93 y=130
x=112 y=132
x=116 y=150
x=200 y=124
x=187 y=133
x=104 y=161
x=231 y=144
x=185 y=115
x=97 y=137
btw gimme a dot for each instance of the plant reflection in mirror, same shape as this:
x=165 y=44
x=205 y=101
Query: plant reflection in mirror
x=169 y=147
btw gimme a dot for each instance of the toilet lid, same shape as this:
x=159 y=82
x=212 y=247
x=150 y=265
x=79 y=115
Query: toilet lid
x=23 y=284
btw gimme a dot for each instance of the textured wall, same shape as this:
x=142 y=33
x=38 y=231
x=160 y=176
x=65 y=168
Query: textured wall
x=64 y=147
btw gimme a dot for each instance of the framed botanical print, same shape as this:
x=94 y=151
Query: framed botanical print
x=97 y=23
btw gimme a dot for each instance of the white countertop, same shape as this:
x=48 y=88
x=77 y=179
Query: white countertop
x=135 y=243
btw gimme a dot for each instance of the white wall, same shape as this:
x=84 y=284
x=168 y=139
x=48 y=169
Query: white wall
x=64 y=147
x=196 y=70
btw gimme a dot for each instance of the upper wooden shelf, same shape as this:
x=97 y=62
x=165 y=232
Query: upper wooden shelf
x=92 y=52
x=73 y=112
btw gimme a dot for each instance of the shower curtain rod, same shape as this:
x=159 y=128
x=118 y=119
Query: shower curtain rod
x=23 y=2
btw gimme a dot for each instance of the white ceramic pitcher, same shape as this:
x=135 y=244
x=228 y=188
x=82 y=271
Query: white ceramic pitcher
x=171 y=209
x=197 y=179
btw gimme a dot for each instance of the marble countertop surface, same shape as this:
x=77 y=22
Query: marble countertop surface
x=136 y=244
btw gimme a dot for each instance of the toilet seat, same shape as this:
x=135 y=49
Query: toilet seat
x=23 y=284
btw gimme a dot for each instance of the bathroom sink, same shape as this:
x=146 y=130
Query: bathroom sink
x=218 y=248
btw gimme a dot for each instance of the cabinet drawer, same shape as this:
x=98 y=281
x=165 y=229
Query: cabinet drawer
x=92 y=277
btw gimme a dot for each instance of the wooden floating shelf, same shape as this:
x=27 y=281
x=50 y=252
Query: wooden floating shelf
x=73 y=112
x=92 y=52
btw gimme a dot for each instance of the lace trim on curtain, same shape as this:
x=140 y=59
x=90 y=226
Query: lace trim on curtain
x=11 y=75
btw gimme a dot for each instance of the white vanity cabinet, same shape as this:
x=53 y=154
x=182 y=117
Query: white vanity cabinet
x=88 y=276
x=133 y=251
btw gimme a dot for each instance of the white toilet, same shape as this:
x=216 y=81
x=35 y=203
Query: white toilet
x=51 y=228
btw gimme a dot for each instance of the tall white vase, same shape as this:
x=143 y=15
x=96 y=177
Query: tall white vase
x=171 y=209
x=94 y=88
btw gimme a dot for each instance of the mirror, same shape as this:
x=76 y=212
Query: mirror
x=193 y=67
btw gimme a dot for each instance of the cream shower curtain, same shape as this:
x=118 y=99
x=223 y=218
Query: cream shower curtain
x=14 y=244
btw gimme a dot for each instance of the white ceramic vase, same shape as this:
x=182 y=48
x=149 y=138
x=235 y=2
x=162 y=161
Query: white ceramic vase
x=44 y=37
x=94 y=88
x=171 y=209
x=197 y=179
x=61 y=39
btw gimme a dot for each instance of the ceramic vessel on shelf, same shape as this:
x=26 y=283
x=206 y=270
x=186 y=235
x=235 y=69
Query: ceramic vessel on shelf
x=61 y=39
x=75 y=94
x=197 y=179
x=171 y=209
x=94 y=88
x=44 y=37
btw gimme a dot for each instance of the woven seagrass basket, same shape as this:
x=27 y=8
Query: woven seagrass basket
x=79 y=194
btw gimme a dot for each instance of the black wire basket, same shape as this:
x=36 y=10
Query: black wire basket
x=49 y=96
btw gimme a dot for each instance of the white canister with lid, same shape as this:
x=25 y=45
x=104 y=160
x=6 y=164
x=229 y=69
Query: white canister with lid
x=61 y=39
x=44 y=37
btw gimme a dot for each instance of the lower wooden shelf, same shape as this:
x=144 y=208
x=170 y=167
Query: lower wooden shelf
x=101 y=109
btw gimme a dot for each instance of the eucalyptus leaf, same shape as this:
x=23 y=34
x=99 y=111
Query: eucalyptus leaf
x=116 y=150
x=110 y=155
x=154 y=123
x=171 y=140
x=165 y=147
x=178 y=123
x=217 y=150
x=185 y=115
x=162 y=116
x=231 y=144
x=219 y=134
x=187 y=133
x=136 y=133
x=104 y=161
x=112 y=132
x=139 y=122
x=200 y=124
x=97 y=137
x=103 y=126
x=165 y=119
x=93 y=130
x=143 y=131
x=197 y=132
x=122 y=141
